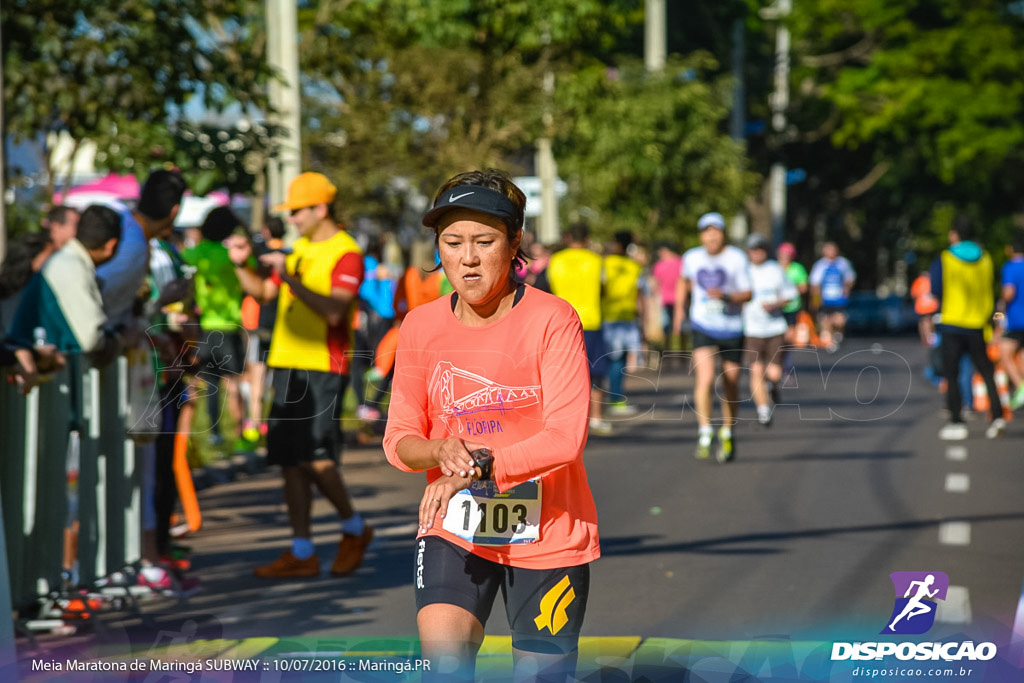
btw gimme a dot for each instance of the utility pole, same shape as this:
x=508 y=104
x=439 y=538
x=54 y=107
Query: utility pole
x=285 y=96
x=548 y=231
x=738 y=120
x=654 y=35
x=779 y=103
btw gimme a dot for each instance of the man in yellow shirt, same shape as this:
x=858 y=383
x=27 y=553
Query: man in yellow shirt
x=576 y=274
x=620 y=311
x=315 y=287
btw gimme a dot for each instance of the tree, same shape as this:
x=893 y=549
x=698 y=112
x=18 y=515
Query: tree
x=648 y=152
x=913 y=106
x=420 y=90
x=116 y=72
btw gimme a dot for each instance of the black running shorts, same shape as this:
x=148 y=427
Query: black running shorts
x=221 y=354
x=729 y=350
x=305 y=417
x=545 y=607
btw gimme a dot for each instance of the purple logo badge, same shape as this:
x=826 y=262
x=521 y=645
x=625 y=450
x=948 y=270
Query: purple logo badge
x=712 y=278
x=916 y=596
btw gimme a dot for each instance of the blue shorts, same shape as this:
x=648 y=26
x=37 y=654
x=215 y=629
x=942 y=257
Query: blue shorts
x=597 y=355
x=621 y=337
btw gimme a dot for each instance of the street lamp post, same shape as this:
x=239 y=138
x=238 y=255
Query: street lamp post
x=285 y=95
x=779 y=103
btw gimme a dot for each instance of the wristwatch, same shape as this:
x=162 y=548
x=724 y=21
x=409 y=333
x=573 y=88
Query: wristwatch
x=483 y=459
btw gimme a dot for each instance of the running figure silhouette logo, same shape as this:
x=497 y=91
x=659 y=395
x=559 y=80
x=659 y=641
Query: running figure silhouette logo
x=916 y=596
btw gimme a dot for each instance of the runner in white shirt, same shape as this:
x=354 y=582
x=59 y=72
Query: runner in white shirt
x=714 y=275
x=831 y=279
x=764 y=324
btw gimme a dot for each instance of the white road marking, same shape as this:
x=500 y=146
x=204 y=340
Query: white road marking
x=956 y=608
x=958 y=483
x=957 y=453
x=955 y=533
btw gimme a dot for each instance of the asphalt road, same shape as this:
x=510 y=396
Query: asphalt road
x=795 y=539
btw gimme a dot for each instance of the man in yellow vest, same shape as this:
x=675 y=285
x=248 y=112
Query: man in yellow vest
x=963 y=281
x=576 y=274
x=315 y=287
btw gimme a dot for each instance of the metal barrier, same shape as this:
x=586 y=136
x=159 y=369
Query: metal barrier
x=86 y=409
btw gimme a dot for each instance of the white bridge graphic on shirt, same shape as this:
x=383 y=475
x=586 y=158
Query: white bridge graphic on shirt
x=462 y=394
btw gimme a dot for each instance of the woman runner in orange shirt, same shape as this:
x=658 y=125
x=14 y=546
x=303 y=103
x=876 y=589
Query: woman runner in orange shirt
x=490 y=398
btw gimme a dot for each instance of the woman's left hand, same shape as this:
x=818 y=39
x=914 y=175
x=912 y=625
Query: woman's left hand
x=436 y=496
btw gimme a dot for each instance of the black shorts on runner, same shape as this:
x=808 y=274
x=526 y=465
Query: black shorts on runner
x=305 y=417
x=729 y=350
x=1014 y=335
x=831 y=310
x=221 y=353
x=545 y=607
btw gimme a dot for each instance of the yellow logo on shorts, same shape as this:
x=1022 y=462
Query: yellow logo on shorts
x=553 y=606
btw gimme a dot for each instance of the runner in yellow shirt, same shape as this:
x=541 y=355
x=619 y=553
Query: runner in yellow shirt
x=576 y=274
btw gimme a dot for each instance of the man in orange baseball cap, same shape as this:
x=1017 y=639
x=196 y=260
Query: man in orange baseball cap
x=307 y=190
x=315 y=287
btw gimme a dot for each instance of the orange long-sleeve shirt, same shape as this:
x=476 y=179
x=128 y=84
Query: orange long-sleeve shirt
x=520 y=386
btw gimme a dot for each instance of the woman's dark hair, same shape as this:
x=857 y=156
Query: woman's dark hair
x=499 y=181
x=16 y=270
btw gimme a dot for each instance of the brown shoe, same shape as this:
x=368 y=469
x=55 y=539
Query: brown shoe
x=351 y=549
x=288 y=566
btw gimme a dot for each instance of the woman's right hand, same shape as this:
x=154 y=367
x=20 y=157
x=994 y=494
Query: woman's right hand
x=454 y=459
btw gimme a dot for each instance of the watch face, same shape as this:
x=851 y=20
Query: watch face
x=483 y=459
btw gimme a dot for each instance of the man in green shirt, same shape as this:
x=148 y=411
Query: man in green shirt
x=218 y=295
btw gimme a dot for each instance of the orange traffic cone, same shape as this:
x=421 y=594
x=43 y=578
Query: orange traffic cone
x=980 y=393
x=1003 y=385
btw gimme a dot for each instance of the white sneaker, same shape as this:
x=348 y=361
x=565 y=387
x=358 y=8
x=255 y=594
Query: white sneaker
x=600 y=427
x=954 y=431
x=995 y=428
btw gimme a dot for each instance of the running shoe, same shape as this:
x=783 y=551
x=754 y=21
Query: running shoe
x=367 y=413
x=351 y=550
x=703 y=447
x=289 y=567
x=1017 y=400
x=177 y=563
x=726 y=450
x=160 y=580
x=622 y=409
x=251 y=432
x=995 y=428
x=954 y=431
x=600 y=427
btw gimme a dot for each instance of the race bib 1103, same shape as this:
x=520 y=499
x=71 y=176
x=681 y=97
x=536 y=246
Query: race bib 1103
x=482 y=515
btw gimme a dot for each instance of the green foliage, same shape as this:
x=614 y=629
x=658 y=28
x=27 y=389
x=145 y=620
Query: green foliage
x=646 y=152
x=931 y=88
x=116 y=72
x=419 y=90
